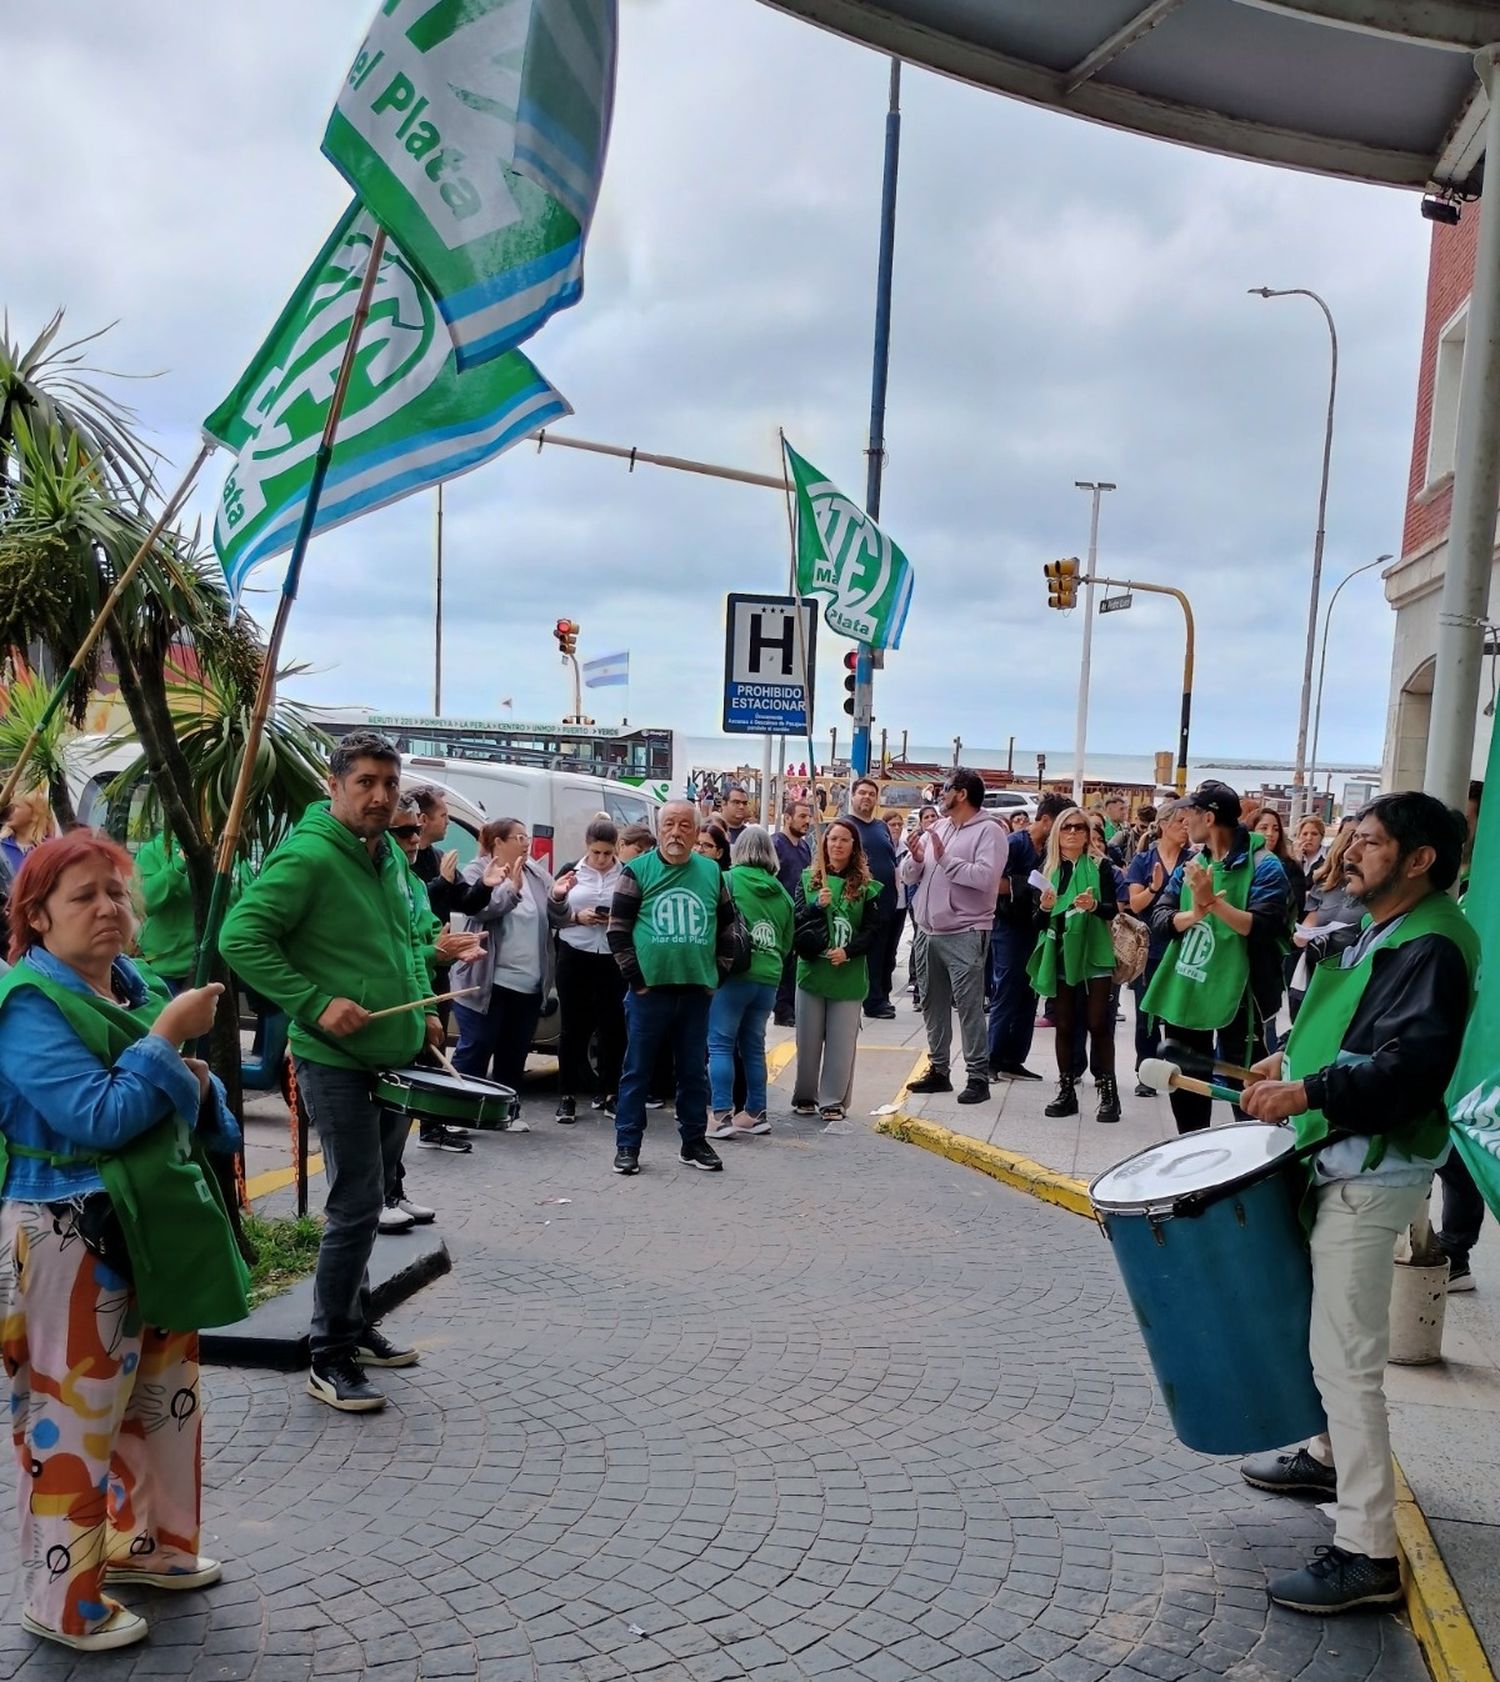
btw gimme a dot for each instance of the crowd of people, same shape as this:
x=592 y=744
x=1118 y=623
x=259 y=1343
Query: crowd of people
x=669 y=955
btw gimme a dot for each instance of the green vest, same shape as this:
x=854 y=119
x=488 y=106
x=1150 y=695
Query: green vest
x=677 y=929
x=188 y=1269
x=1333 y=997
x=1087 y=949
x=846 y=917
x=1204 y=976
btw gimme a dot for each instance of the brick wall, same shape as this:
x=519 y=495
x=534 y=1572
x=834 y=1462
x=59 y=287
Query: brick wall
x=1450 y=272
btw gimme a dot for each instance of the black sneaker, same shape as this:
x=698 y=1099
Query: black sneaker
x=976 y=1092
x=1296 y=1473
x=881 y=1013
x=627 y=1162
x=656 y=1103
x=1144 y=1091
x=1013 y=1071
x=933 y=1081
x=567 y=1112
x=700 y=1154
x=375 y=1349
x=445 y=1139
x=1459 y=1277
x=1338 y=1581
x=339 y=1380
x=782 y=1021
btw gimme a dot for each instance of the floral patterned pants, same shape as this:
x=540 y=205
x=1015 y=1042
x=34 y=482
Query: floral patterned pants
x=105 y=1418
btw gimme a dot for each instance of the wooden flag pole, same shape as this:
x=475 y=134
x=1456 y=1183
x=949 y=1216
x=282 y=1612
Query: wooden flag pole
x=229 y=841
x=796 y=595
x=96 y=630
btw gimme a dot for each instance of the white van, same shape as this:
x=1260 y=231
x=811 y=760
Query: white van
x=556 y=806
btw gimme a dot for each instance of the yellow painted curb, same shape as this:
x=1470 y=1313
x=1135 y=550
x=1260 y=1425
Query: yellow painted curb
x=1439 y=1620
x=1009 y=1167
x=274 y=1179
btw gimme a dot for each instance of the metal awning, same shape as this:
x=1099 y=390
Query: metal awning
x=1381 y=91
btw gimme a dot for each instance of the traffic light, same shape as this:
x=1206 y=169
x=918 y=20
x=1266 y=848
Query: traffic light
x=851 y=666
x=566 y=632
x=1062 y=583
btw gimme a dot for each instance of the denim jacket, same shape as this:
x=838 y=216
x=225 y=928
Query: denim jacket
x=55 y=1095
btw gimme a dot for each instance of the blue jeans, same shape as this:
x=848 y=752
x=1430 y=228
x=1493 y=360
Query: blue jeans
x=737 y=1021
x=658 y=1018
x=501 y=1036
x=1012 y=1002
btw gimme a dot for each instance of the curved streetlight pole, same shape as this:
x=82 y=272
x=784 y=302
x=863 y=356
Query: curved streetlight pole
x=1299 y=770
x=1312 y=758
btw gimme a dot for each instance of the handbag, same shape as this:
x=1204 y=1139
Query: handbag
x=1132 y=943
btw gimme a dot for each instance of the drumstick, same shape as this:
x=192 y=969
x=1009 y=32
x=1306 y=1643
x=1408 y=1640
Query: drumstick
x=1156 y=1071
x=1189 y=1057
x=421 y=1004
x=447 y=1062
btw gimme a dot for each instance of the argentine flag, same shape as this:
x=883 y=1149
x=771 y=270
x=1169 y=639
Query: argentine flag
x=607 y=670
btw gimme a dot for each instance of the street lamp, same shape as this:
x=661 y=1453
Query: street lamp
x=1298 y=774
x=1096 y=489
x=1312 y=769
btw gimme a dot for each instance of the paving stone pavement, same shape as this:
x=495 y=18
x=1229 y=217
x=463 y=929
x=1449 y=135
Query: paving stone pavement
x=846 y=1411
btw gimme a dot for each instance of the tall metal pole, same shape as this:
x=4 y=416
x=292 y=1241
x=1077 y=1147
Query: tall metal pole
x=1476 y=489
x=864 y=686
x=1081 y=724
x=1299 y=770
x=1312 y=757
x=437 y=622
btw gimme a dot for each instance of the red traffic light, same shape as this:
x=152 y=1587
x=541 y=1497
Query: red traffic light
x=851 y=661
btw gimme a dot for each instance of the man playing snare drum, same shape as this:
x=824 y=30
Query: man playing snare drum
x=1370 y=1056
x=325 y=932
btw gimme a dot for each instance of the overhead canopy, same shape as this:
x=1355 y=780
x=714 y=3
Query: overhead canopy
x=1372 y=90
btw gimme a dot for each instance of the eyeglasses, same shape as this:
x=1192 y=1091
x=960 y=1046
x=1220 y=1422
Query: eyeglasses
x=406 y=830
x=1079 y=828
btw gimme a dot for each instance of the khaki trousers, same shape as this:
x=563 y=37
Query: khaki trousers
x=1354 y=1262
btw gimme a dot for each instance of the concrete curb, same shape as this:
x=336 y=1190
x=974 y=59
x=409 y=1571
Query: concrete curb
x=1439 y=1620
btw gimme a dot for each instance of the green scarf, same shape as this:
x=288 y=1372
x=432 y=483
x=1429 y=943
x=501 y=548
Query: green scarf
x=845 y=916
x=1087 y=949
x=188 y=1269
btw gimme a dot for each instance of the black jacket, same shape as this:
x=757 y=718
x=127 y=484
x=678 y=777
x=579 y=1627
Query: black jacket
x=1410 y=1025
x=446 y=897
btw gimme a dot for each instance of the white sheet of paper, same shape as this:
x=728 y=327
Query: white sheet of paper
x=1038 y=881
x=1312 y=931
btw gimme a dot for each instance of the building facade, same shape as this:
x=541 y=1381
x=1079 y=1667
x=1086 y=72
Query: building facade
x=1414 y=585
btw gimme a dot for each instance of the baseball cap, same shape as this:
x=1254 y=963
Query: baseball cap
x=1219 y=800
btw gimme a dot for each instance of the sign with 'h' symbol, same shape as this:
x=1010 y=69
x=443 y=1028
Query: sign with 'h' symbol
x=769 y=665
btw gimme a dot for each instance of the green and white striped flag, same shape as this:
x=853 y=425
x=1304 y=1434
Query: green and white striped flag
x=475 y=131
x=844 y=555
x=410 y=419
x=1474 y=1092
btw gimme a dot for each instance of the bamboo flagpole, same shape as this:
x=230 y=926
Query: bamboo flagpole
x=229 y=841
x=65 y=683
x=796 y=594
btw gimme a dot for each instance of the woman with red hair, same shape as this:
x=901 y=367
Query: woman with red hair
x=104 y=1404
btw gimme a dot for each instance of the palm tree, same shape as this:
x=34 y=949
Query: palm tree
x=24 y=701
x=48 y=387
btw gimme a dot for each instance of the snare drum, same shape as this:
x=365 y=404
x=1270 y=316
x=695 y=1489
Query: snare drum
x=1206 y=1235
x=434 y=1095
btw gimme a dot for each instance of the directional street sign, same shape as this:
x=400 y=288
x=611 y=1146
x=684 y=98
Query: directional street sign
x=764 y=666
x=1114 y=604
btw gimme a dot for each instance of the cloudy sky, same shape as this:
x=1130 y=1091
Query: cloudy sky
x=1070 y=304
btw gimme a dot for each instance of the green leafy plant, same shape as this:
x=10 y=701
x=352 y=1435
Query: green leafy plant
x=24 y=702
x=286 y=1250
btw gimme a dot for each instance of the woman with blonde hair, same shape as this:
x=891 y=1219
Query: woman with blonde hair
x=1074 y=959
x=835 y=922
x=27 y=824
x=1329 y=905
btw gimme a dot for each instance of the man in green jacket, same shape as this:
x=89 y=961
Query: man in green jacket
x=325 y=932
x=167 y=939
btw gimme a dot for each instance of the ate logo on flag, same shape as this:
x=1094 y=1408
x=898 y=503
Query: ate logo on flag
x=404 y=342
x=858 y=561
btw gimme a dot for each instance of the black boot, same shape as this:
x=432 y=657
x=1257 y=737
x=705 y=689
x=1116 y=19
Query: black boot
x=1066 y=1101
x=1109 y=1099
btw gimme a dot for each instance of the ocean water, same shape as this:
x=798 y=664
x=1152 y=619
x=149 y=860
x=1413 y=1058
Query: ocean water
x=724 y=753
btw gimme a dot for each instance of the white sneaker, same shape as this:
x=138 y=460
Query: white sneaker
x=723 y=1127
x=200 y=1576
x=393 y=1218
x=745 y=1122
x=421 y=1215
x=119 y=1629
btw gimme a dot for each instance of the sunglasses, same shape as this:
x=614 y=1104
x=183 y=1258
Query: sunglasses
x=406 y=830
x=1079 y=828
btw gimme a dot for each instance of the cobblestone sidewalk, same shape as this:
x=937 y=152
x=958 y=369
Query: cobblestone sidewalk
x=844 y=1411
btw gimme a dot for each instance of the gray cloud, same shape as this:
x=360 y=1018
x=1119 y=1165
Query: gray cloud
x=1070 y=303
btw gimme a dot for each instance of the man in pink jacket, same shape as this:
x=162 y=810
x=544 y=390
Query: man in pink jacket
x=955 y=868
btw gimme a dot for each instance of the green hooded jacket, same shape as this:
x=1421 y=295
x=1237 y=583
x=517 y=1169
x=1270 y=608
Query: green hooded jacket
x=167 y=940
x=767 y=909
x=326 y=920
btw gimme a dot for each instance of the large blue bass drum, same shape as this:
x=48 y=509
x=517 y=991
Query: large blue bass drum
x=1206 y=1234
